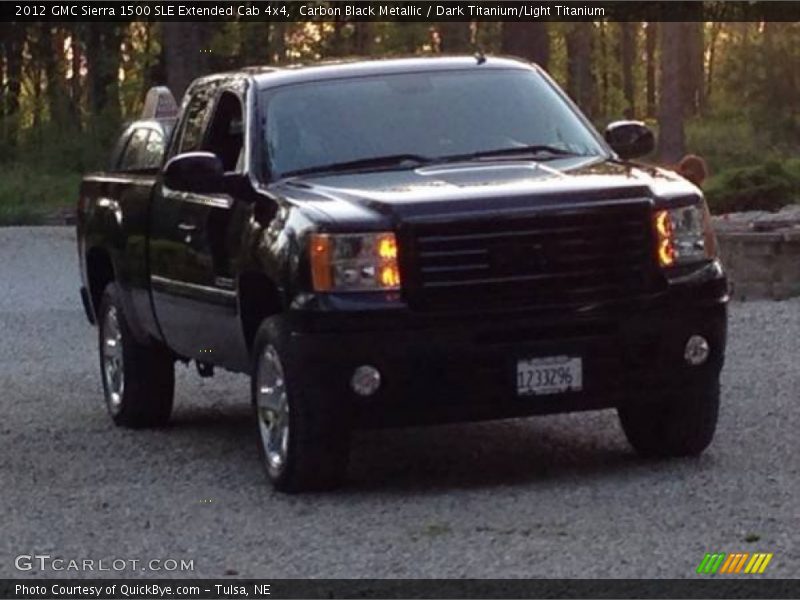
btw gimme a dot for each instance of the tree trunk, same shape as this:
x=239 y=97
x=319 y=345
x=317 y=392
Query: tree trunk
x=3 y=86
x=603 y=101
x=13 y=43
x=627 y=56
x=35 y=79
x=527 y=40
x=335 y=44
x=580 y=80
x=150 y=65
x=671 y=143
x=75 y=88
x=186 y=54
x=716 y=29
x=693 y=68
x=52 y=48
x=362 y=38
x=455 y=37
x=254 y=43
x=650 y=40
x=103 y=59
x=277 y=43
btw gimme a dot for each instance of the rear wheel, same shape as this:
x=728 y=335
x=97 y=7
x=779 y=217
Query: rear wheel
x=303 y=438
x=682 y=425
x=138 y=379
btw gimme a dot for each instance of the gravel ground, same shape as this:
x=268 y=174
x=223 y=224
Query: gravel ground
x=559 y=496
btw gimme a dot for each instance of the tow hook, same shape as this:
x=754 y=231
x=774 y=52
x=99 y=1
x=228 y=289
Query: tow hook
x=204 y=369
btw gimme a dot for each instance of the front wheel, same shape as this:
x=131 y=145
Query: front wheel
x=680 y=425
x=138 y=379
x=303 y=436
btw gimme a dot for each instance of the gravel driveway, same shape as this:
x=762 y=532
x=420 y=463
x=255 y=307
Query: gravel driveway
x=558 y=496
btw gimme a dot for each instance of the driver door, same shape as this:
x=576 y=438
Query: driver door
x=195 y=237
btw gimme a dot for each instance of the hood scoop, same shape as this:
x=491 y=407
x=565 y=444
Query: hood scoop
x=476 y=174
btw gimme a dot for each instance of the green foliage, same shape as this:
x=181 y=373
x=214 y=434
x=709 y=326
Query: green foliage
x=40 y=173
x=402 y=38
x=29 y=194
x=730 y=140
x=143 y=51
x=64 y=148
x=768 y=186
x=758 y=78
x=55 y=130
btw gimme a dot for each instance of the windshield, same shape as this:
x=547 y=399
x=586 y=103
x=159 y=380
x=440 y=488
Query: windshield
x=426 y=116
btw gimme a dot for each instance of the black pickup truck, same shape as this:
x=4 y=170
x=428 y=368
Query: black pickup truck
x=401 y=242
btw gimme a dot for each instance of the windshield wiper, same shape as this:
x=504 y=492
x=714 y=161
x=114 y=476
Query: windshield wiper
x=412 y=161
x=540 y=151
x=408 y=161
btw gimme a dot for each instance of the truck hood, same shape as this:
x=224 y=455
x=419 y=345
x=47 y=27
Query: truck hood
x=479 y=186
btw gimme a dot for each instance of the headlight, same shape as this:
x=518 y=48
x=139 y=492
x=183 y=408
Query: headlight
x=683 y=235
x=362 y=262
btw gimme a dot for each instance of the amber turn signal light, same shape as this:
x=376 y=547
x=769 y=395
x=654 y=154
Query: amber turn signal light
x=664 y=238
x=321 y=262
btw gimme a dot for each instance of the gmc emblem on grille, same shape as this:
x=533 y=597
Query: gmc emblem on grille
x=520 y=257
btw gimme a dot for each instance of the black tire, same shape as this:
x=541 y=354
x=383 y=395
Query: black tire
x=680 y=426
x=318 y=429
x=148 y=371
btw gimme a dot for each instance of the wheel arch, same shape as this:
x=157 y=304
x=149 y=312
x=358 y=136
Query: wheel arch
x=99 y=273
x=259 y=298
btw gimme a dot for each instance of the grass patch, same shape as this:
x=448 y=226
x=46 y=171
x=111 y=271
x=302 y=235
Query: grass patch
x=28 y=195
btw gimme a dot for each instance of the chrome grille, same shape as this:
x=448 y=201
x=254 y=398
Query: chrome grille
x=554 y=257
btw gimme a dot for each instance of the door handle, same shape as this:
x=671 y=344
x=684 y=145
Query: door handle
x=187 y=226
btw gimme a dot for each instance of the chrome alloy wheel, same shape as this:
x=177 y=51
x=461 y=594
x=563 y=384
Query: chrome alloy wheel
x=113 y=369
x=272 y=408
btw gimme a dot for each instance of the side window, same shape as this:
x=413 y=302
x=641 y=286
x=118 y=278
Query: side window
x=226 y=132
x=153 y=150
x=133 y=155
x=193 y=126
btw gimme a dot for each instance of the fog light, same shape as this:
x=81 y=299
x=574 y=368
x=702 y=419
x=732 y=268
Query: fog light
x=366 y=380
x=697 y=350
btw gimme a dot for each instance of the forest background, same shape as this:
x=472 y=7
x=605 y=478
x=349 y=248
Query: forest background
x=728 y=91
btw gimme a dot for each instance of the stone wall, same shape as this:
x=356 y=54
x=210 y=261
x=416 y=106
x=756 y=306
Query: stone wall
x=761 y=253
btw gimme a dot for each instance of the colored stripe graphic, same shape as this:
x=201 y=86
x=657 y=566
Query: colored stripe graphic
x=711 y=563
x=701 y=568
x=735 y=562
x=730 y=563
x=720 y=562
x=758 y=563
x=741 y=562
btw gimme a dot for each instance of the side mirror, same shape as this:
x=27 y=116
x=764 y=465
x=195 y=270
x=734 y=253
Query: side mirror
x=630 y=139
x=196 y=172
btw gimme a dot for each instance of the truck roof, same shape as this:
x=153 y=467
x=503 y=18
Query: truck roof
x=266 y=77
x=362 y=68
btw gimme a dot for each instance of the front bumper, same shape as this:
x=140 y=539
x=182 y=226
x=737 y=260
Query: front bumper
x=459 y=368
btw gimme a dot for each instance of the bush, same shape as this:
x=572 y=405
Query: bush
x=40 y=170
x=769 y=186
x=28 y=193
x=727 y=142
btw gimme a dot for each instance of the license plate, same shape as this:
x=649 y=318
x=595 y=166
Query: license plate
x=549 y=375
